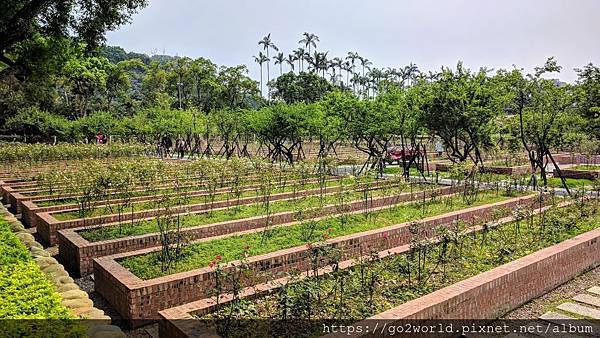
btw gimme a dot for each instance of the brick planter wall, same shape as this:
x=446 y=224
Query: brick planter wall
x=570 y=173
x=48 y=226
x=16 y=197
x=488 y=295
x=516 y=170
x=566 y=158
x=498 y=291
x=78 y=253
x=136 y=299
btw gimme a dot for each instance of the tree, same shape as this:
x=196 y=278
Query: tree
x=279 y=60
x=86 y=20
x=261 y=59
x=304 y=87
x=154 y=87
x=587 y=94
x=460 y=108
x=268 y=44
x=86 y=77
x=291 y=59
x=542 y=109
x=309 y=40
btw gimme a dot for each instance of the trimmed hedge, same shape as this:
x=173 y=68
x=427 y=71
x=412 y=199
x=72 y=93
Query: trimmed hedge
x=26 y=293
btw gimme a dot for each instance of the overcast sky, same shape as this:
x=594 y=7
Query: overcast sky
x=390 y=33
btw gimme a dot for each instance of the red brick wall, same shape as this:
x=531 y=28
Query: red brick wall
x=487 y=295
x=587 y=174
x=77 y=253
x=143 y=299
x=495 y=292
x=51 y=225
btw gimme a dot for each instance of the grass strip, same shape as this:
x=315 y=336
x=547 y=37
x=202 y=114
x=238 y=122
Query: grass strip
x=126 y=229
x=201 y=254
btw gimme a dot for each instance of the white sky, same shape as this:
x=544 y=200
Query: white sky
x=429 y=33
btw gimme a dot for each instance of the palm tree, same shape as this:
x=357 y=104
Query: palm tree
x=290 y=60
x=260 y=59
x=268 y=44
x=338 y=63
x=299 y=54
x=352 y=57
x=320 y=62
x=279 y=60
x=348 y=68
x=410 y=73
x=375 y=76
x=309 y=40
x=365 y=63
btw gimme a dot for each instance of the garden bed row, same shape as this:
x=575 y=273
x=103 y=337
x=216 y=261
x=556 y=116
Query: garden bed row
x=138 y=299
x=48 y=226
x=589 y=173
x=493 y=169
x=486 y=295
x=31 y=210
x=77 y=251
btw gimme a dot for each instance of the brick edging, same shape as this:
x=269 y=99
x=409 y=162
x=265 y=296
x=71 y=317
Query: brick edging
x=179 y=322
x=137 y=299
x=72 y=297
x=79 y=252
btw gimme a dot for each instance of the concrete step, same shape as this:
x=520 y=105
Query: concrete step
x=580 y=310
x=594 y=290
x=587 y=299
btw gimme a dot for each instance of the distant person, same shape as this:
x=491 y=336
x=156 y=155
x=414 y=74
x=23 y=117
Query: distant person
x=180 y=147
x=99 y=137
x=166 y=145
x=439 y=148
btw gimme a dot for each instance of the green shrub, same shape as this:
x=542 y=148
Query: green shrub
x=38 y=125
x=26 y=293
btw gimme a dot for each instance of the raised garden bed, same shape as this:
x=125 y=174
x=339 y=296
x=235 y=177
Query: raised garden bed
x=78 y=251
x=136 y=298
x=580 y=172
x=494 y=168
x=485 y=295
x=31 y=209
x=205 y=213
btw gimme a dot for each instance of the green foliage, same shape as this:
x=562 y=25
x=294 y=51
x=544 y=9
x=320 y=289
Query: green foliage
x=460 y=108
x=304 y=87
x=11 y=152
x=231 y=248
x=587 y=93
x=375 y=284
x=38 y=125
x=26 y=293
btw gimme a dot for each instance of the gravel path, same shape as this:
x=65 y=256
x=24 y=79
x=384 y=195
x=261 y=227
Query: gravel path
x=541 y=305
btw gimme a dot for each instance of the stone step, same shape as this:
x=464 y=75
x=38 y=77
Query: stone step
x=580 y=310
x=552 y=316
x=562 y=319
x=595 y=290
x=587 y=299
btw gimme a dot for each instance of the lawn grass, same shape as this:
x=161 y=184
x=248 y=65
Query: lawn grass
x=586 y=167
x=376 y=285
x=127 y=228
x=200 y=254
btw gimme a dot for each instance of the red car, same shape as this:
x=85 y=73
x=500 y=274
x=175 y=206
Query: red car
x=396 y=154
